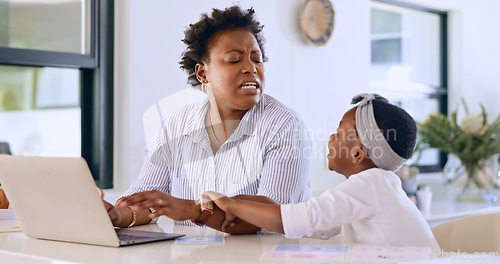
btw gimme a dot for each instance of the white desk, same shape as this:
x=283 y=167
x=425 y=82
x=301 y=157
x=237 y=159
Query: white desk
x=237 y=248
x=15 y=247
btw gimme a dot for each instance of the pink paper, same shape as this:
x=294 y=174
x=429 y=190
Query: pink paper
x=302 y=256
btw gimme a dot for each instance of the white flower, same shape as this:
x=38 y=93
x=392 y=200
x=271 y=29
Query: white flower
x=472 y=123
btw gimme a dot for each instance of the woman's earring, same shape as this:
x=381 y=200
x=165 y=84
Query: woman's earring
x=204 y=87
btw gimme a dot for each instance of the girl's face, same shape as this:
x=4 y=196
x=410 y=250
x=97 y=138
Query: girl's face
x=344 y=146
x=235 y=70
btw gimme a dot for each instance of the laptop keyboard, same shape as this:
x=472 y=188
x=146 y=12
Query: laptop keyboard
x=127 y=237
x=131 y=236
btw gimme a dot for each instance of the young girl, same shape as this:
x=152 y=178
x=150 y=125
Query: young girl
x=374 y=139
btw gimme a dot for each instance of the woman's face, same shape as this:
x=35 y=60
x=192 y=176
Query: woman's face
x=235 y=70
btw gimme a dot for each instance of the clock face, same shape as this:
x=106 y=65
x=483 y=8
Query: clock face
x=316 y=21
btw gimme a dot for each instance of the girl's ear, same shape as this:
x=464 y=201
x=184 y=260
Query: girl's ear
x=200 y=71
x=359 y=154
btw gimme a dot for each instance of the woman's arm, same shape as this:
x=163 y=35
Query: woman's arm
x=175 y=208
x=4 y=202
x=181 y=209
x=122 y=216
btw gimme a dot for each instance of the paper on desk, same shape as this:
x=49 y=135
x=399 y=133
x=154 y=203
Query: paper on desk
x=301 y=256
x=387 y=254
x=7 y=214
x=461 y=258
x=200 y=239
x=305 y=253
x=311 y=248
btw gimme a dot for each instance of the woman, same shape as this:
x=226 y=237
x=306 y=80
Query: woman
x=238 y=142
x=4 y=202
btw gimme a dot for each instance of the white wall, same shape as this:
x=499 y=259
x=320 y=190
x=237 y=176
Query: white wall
x=474 y=52
x=318 y=82
x=477 y=77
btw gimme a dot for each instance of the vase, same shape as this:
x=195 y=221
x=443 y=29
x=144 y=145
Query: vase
x=478 y=182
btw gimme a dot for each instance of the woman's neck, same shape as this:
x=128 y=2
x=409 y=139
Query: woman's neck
x=227 y=115
x=221 y=122
x=225 y=122
x=221 y=112
x=220 y=128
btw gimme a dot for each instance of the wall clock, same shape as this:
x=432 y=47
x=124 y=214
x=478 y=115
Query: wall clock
x=316 y=19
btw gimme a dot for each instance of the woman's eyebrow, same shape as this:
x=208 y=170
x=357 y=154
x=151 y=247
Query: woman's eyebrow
x=255 y=51
x=234 y=50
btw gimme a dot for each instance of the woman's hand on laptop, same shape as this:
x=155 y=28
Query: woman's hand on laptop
x=163 y=204
x=117 y=215
x=4 y=202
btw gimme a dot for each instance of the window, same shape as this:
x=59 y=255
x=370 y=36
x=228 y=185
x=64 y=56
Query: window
x=56 y=80
x=408 y=63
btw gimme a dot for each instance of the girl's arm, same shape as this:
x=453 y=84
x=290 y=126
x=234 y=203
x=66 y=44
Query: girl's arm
x=176 y=209
x=266 y=216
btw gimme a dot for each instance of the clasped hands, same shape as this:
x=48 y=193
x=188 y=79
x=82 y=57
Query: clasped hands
x=223 y=202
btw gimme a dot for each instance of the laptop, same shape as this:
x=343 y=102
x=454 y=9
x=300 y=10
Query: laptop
x=56 y=199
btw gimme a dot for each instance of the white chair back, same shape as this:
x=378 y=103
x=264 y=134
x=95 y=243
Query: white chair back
x=477 y=233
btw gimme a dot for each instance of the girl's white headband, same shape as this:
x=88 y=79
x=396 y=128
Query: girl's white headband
x=379 y=150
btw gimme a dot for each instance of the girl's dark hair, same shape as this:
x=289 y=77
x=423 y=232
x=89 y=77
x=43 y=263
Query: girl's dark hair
x=198 y=35
x=398 y=127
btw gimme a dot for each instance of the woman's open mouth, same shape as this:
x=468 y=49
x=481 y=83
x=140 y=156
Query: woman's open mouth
x=249 y=85
x=250 y=88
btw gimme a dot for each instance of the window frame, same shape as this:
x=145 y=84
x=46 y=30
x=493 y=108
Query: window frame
x=441 y=94
x=96 y=87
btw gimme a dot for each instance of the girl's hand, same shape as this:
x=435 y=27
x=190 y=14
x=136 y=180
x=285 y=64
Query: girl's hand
x=222 y=202
x=219 y=199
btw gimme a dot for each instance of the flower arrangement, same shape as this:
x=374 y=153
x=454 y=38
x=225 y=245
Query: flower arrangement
x=473 y=141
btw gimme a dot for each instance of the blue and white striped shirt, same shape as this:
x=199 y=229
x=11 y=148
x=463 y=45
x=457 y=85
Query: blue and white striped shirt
x=268 y=154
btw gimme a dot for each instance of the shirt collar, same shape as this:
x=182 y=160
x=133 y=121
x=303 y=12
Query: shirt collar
x=195 y=125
